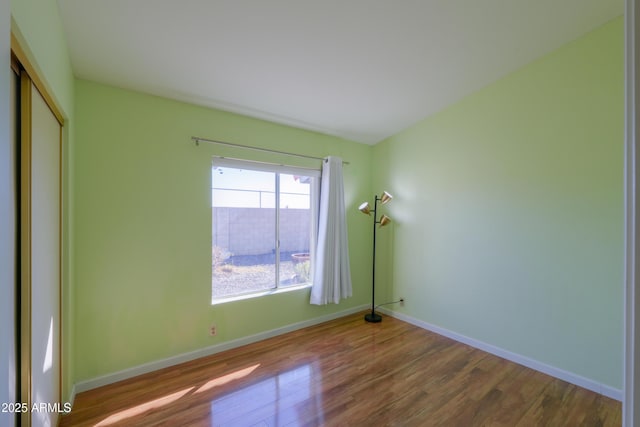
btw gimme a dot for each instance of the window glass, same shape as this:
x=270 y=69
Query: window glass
x=262 y=227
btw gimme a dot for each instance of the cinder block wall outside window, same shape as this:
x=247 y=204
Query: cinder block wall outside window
x=251 y=231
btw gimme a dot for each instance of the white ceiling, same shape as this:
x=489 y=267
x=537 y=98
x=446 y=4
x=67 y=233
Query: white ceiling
x=359 y=69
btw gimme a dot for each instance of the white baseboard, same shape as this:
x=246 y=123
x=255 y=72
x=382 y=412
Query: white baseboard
x=207 y=351
x=72 y=395
x=561 y=374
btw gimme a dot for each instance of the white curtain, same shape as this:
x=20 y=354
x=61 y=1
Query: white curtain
x=331 y=271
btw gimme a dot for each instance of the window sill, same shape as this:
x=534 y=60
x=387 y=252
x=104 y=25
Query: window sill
x=223 y=300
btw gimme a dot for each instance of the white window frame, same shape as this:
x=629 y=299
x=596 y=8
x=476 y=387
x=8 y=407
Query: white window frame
x=314 y=206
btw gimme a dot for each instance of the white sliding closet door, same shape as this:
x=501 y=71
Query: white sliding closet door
x=41 y=269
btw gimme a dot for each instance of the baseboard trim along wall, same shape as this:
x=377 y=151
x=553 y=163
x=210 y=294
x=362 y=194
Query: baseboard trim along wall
x=207 y=351
x=561 y=374
x=72 y=395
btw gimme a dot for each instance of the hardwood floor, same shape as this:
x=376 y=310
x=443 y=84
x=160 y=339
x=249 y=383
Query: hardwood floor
x=346 y=373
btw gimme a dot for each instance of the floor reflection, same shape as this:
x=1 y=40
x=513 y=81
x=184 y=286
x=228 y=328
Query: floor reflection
x=124 y=416
x=289 y=398
x=216 y=382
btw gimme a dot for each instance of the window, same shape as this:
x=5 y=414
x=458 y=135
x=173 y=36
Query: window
x=263 y=220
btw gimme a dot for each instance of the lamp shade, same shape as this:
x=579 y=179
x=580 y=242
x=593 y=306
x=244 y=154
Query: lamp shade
x=365 y=208
x=386 y=197
x=384 y=220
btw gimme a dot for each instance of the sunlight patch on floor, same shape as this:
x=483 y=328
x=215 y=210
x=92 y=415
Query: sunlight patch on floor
x=141 y=409
x=227 y=378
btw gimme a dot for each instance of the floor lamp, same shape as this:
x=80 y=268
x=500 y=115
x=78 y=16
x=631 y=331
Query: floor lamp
x=384 y=220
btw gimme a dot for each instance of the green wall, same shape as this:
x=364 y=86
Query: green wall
x=509 y=211
x=38 y=23
x=143 y=228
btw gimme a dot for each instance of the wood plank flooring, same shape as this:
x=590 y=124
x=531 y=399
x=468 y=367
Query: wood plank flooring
x=346 y=373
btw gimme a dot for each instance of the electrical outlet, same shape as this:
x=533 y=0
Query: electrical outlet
x=213 y=330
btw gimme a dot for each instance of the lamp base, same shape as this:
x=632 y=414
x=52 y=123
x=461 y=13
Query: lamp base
x=373 y=317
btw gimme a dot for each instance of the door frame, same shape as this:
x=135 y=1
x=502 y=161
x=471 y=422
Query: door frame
x=631 y=366
x=29 y=81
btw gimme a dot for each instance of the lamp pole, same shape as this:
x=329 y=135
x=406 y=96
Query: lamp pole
x=373 y=317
